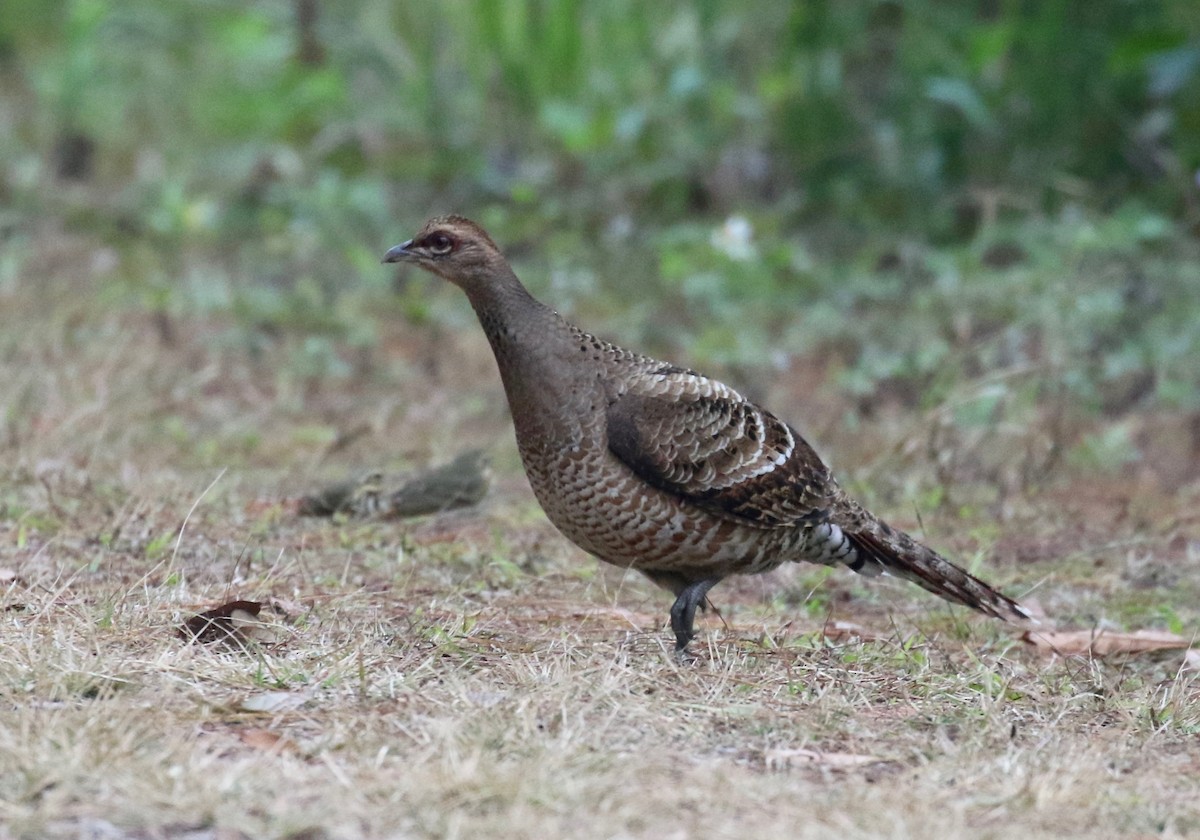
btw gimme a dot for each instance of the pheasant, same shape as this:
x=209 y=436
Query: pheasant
x=654 y=467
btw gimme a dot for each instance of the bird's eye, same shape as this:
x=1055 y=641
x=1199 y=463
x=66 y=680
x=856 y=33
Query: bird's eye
x=440 y=243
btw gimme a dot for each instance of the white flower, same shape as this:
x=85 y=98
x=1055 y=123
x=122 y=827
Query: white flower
x=734 y=238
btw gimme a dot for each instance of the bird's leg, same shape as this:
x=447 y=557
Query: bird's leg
x=683 y=611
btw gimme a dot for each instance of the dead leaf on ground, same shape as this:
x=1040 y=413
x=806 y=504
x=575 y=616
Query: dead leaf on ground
x=275 y=701
x=450 y=529
x=1103 y=642
x=286 y=608
x=839 y=630
x=267 y=741
x=9 y=579
x=272 y=507
x=781 y=759
x=236 y=622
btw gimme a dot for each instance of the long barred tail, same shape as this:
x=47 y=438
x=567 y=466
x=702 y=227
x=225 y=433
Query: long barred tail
x=879 y=548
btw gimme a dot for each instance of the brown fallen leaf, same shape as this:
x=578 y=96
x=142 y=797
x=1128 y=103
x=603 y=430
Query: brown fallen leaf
x=272 y=507
x=267 y=741
x=450 y=529
x=1103 y=642
x=236 y=623
x=780 y=759
x=289 y=610
x=838 y=630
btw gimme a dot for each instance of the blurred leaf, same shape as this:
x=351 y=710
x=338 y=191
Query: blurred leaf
x=267 y=740
x=274 y=702
x=1172 y=70
x=570 y=123
x=959 y=95
x=1104 y=642
x=1108 y=449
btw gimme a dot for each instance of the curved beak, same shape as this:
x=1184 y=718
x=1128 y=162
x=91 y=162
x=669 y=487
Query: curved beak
x=400 y=253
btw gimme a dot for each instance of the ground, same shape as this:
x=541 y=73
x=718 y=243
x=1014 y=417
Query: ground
x=472 y=672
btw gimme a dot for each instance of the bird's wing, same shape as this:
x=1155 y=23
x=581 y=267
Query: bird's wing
x=689 y=435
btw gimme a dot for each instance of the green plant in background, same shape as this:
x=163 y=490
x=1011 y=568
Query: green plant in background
x=878 y=155
x=872 y=108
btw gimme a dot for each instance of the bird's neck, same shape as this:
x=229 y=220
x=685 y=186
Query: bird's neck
x=510 y=316
x=533 y=347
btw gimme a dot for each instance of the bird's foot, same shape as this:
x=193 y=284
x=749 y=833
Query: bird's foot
x=683 y=612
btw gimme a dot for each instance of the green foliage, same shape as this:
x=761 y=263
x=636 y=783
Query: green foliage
x=242 y=161
x=873 y=109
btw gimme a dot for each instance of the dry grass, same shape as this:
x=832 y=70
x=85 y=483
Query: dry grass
x=472 y=674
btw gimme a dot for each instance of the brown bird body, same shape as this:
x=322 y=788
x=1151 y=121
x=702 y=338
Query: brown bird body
x=653 y=467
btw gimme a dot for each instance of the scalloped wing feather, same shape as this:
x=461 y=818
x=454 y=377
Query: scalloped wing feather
x=693 y=436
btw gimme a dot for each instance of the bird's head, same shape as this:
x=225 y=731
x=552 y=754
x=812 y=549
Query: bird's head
x=452 y=247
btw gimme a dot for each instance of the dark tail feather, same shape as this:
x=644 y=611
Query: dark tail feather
x=904 y=557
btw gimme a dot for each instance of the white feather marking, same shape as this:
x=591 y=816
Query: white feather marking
x=769 y=466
